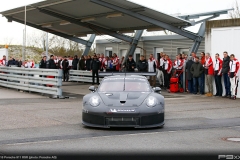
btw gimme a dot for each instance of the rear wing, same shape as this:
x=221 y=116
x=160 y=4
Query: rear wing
x=104 y=74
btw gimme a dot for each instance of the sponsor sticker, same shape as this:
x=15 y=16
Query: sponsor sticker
x=122 y=110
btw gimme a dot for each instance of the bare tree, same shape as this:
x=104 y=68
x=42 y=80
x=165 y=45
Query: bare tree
x=8 y=40
x=236 y=12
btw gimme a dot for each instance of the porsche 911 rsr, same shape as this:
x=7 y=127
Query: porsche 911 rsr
x=123 y=101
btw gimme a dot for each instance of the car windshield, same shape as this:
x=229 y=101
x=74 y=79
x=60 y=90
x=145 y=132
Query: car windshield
x=124 y=84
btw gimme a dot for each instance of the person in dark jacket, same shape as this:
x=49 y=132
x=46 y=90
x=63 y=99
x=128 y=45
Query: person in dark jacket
x=189 y=74
x=142 y=65
x=20 y=63
x=43 y=63
x=51 y=63
x=88 y=63
x=75 y=62
x=82 y=64
x=225 y=70
x=197 y=69
x=65 y=68
x=130 y=64
x=16 y=63
x=11 y=62
x=95 y=68
x=59 y=63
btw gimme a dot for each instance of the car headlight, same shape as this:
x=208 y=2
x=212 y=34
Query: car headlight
x=151 y=101
x=94 y=101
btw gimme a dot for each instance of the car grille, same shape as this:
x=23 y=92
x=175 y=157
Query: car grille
x=122 y=121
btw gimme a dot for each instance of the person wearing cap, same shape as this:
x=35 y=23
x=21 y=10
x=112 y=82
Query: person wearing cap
x=95 y=69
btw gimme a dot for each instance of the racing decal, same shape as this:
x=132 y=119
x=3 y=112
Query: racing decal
x=121 y=110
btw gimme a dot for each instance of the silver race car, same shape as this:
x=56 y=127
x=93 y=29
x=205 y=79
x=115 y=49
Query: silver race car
x=123 y=101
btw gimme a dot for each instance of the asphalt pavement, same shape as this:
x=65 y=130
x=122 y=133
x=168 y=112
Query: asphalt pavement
x=31 y=123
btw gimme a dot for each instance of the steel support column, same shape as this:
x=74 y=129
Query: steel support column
x=137 y=37
x=169 y=27
x=194 y=48
x=78 y=40
x=198 y=40
x=95 y=28
x=133 y=46
x=89 y=44
x=88 y=47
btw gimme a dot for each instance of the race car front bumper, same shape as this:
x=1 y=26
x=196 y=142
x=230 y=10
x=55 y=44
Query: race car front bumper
x=140 y=120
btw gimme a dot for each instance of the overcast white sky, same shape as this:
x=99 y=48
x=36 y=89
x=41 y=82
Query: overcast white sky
x=14 y=31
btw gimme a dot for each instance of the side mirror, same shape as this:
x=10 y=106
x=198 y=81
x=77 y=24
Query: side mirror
x=157 y=89
x=92 y=88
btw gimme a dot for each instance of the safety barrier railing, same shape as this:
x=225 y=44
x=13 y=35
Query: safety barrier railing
x=81 y=76
x=45 y=81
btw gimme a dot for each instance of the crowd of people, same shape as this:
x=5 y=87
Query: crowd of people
x=16 y=62
x=199 y=70
x=204 y=69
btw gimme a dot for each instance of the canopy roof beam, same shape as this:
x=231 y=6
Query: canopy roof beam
x=161 y=24
x=75 y=39
x=95 y=28
x=133 y=47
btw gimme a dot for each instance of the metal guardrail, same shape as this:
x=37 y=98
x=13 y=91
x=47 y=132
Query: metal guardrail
x=31 y=79
x=86 y=76
x=81 y=76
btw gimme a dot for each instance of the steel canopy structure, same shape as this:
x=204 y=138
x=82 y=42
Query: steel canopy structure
x=72 y=19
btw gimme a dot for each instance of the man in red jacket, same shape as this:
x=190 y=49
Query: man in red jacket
x=202 y=85
x=218 y=75
x=116 y=65
x=209 y=74
x=3 y=62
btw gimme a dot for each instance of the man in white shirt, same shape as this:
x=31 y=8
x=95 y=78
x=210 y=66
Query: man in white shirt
x=152 y=66
x=233 y=74
x=28 y=64
x=160 y=75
